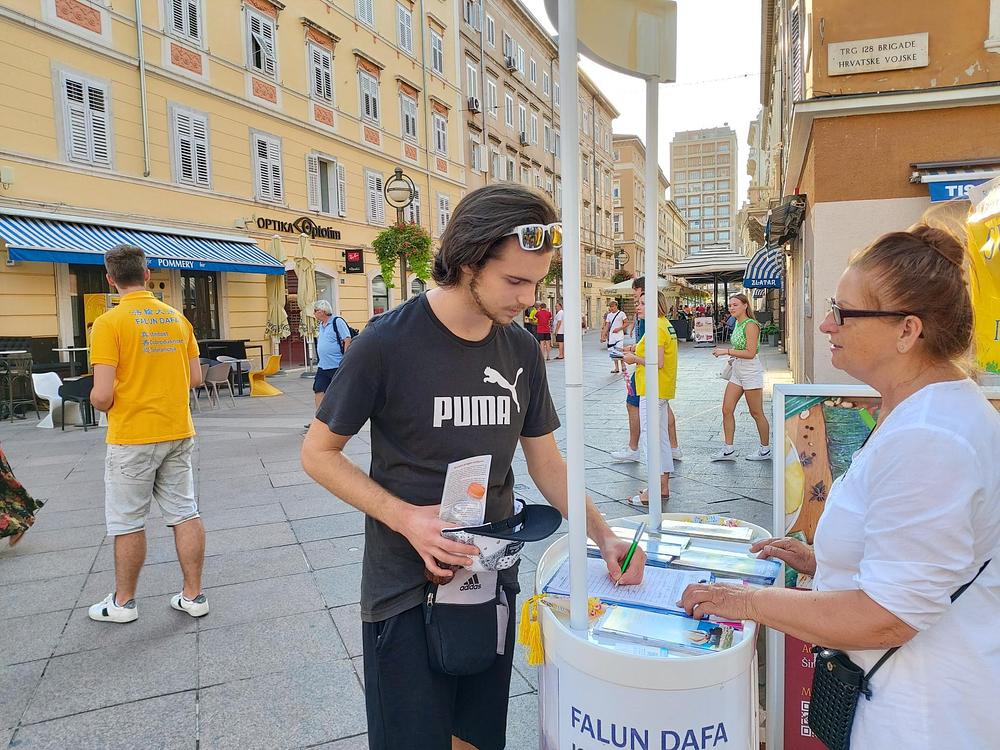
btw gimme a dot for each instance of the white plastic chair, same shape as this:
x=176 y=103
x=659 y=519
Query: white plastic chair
x=193 y=397
x=219 y=375
x=46 y=385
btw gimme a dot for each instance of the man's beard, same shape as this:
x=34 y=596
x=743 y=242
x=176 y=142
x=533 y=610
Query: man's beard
x=474 y=293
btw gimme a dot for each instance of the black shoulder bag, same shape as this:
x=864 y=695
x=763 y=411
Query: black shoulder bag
x=837 y=684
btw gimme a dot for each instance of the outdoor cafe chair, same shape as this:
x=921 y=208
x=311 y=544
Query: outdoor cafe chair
x=78 y=391
x=258 y=378
x=216 y=376
x=195 y=389
x=16 y=385
x=47 y=386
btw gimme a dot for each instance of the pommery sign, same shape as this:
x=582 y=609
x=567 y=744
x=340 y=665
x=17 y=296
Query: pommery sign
x=882 y=53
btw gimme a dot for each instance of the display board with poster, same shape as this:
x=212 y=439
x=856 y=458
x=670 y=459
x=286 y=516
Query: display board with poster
x=704 y=331
x=984 y=256
x=821 y=427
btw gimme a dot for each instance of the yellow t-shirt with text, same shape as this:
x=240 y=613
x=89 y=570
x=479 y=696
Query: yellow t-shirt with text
x=667 y=338
x=151 y=345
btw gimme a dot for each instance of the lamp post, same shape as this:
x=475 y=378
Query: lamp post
x=399 y=192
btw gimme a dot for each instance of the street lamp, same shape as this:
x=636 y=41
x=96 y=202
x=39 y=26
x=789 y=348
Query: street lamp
x=399 y=192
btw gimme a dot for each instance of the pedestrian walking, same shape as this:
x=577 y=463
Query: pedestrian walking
x=145 y=360
x=666 y=348
x=497 y=246
x=745 y=375
x=544 y=332
x=558 y=331
x=333 y=339
x=613 y=334
x=531 y=318
x=902 y=555
x=17 y=507
x=630 y=453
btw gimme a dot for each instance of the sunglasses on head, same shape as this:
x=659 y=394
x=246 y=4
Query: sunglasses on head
x=840 y=313
x=531 y=237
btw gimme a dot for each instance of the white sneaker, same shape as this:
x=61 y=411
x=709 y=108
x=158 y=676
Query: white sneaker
x=761 y=454
x=724 y=455
x=197 y=607
x=107 y=610
x=625 y=455
x=677 y=453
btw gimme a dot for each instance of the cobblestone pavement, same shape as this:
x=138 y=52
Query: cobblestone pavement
x=277 y=663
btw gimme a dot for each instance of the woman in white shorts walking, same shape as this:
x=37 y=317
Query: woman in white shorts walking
x=746 y=379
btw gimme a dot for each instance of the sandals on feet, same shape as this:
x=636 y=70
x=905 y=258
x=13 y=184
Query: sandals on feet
x=636 y=501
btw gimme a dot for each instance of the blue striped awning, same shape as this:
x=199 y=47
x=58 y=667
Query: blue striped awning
x=764 y=269
x=51 y=241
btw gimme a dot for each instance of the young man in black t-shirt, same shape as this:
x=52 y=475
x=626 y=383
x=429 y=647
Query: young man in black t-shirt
x=443 y=377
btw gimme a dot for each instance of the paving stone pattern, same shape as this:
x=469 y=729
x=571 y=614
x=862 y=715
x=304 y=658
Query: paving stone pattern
x=277 y=662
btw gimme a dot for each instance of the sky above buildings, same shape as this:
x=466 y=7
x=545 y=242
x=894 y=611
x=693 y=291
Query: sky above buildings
x=718 y=76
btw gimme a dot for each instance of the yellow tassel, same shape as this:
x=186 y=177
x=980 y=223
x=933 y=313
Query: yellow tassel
x=530 y=631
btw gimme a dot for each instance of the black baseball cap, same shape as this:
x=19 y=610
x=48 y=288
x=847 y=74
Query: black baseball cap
x=530 y=523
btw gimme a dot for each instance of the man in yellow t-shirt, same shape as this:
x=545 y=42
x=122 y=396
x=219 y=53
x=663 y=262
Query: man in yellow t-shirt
x=145 y=360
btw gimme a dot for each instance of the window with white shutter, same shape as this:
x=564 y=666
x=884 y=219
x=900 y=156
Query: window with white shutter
x=437 y=52
x=376 y=202
x=522 y=119
x=532 y=71
x=341 y=190
x=190 y=133
x=508 y=110
x=491 y=97
x=366 y=11
x=491 y=31
x=444 y=212
x=260 y=43
x=795 y=48
x=267 y=168
x=87 y=120
x=323 y=184
x=412 y=212
x=534 y=128
x=496 y=164
x=368 y=84
x=472 y=79
x=520 y=59
x=185 y=19
x=546 y=83
x=404 y=28
x=440 y=134
x=321 y=72
x=408 y=114
x=474 y=154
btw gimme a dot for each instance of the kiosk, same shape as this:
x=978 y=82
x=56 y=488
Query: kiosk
x=595 y=693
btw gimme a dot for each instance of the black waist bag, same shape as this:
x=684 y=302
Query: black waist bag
x=465 y=622
x=838 y=683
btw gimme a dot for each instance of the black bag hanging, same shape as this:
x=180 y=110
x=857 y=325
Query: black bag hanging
x=838 y=683
x=462 y=623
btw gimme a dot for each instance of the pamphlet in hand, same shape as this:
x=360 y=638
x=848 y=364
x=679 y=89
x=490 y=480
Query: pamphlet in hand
x=463 y=500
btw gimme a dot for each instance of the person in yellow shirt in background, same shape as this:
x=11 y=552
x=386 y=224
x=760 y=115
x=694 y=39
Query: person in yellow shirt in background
x=145 y=360
x=666 y=344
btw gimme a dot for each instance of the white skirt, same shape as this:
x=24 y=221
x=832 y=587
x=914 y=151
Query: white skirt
x=748 y=374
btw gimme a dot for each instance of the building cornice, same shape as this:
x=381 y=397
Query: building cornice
x=805 y=113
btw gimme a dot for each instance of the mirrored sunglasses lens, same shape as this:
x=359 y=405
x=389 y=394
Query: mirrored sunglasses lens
x=555 y=236
x=532 y=237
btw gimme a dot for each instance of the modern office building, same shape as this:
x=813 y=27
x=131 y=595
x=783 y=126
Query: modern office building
x=704 y=178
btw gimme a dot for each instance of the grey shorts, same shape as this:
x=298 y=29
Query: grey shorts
x=135 y=475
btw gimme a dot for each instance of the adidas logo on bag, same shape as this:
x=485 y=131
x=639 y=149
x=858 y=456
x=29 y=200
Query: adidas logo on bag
x=472 y=584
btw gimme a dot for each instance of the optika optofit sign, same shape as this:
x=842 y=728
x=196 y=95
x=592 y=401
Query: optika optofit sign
x=302 y=225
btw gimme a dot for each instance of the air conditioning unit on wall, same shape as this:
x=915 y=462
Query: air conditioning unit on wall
x=510 y=63
x=474 y=105
x=523 y=138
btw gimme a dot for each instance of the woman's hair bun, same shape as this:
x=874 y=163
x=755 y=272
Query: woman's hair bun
x=942 y=241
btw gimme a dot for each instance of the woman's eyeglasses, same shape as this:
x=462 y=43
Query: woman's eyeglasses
x=839 y=313
x=531 y=237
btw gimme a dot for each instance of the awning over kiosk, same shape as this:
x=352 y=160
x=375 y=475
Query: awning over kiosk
x=30 y=238
x=764 y=269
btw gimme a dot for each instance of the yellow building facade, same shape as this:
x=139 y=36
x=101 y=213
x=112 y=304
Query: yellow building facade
x=236 y=122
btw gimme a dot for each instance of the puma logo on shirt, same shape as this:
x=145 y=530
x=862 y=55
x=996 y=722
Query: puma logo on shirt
x=477 y=411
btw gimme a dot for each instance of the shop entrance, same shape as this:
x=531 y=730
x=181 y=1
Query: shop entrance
x=200 y=296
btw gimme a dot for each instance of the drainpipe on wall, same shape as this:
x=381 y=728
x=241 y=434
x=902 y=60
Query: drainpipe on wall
x=431 y=202
x=142 y=88
x=484 y=102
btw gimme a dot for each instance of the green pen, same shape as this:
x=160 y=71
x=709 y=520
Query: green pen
x=631 y=549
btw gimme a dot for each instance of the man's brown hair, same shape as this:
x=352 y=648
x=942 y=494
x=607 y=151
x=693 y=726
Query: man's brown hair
x=126 y=265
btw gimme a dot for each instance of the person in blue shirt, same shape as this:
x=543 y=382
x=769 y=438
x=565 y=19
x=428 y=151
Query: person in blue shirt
x=330 y=351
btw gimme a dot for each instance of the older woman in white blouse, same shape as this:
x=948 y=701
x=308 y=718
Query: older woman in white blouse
x=914 y=518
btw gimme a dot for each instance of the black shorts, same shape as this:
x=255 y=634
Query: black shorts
x=559 y=338
x=410 y=706
x=544 y=336
x=322 y=380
